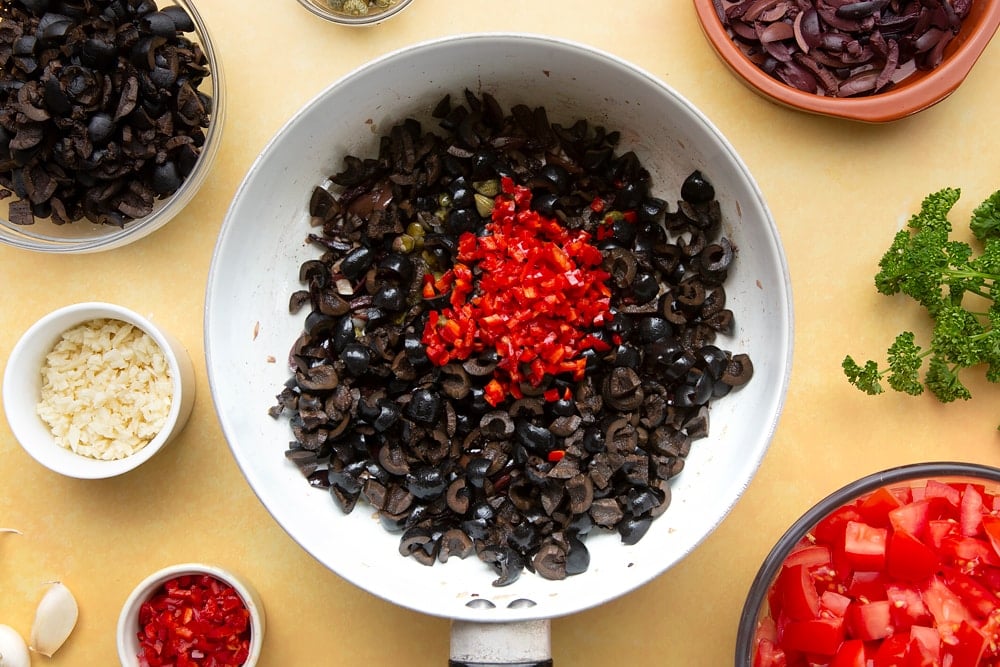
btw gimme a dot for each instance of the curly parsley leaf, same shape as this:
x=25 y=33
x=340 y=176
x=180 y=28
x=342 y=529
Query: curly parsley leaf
x=952 y=283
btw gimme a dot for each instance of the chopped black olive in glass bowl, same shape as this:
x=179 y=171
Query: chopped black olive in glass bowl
x=111 y=115
x=542 y=336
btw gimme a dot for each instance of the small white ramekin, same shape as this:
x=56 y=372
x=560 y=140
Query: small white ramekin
x=22 y=383
x=128 y=620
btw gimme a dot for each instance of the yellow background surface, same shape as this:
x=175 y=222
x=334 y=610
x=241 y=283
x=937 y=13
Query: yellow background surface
x=838 y=191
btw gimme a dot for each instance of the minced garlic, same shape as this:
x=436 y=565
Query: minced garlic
x=106 y=389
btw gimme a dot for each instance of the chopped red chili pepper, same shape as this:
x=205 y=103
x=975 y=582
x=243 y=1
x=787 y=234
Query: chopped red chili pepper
x=556 y=455
x=537 y=290
x=194 y=621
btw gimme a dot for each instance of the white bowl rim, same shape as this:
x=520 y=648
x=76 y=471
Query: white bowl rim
x=49 y=328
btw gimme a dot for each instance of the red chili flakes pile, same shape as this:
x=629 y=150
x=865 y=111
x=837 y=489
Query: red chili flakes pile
x=194 y=620
x=530 y=290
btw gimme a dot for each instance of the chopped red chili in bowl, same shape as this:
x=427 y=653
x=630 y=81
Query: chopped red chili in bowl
x=194 y=620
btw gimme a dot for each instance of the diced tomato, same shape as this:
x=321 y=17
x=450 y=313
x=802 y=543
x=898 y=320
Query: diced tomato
x=834 y=603
x=798 y=594
x=907 y=605
x=966 y=648
x=909 y=559
x=945 y=607
x=977 y=598
x=867 y=584
x=991 y=526
x=912 y=517
x=820 y=635
x=936 y=489
x=768 y=654
x=891 y=651
x=892 y=580
x=971 y=511
x=925 y=647
x=850 y=654
x=875 y=508
x=810 y=555
x=869 y=621
x=864 y=546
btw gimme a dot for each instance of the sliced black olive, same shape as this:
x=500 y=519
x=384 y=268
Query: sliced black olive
x=633 y=529
x=455 y=543
x=424 y=406
x=356 y=358
x=533 y=436
x=426 y=483
x=356 y=263
x=696 y=189
x=577 y=556
x=398 y=266
x=390 y=297
x=550 y=561
x=388 y=415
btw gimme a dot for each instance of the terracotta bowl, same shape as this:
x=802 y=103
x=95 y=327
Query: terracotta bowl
x=917 y=92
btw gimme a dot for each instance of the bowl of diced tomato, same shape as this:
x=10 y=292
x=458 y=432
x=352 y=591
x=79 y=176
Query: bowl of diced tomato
x=900 y=568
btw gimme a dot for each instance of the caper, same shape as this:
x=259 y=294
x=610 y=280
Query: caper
x=484 y=205
x=489 y=188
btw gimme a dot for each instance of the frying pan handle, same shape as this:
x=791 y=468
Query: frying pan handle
x=521 y=644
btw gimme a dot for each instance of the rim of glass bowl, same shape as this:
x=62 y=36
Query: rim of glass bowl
x=336 y=17
x=26 y=238
x=772 y=563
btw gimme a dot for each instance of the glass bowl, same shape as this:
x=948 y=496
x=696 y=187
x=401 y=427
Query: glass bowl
x=326 y=9
x=84 y=236
x=918 y=91
x=186 y=574
x=875 y=582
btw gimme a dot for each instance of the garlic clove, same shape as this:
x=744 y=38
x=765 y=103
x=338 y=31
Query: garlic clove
x=55 y=619
x=13 y=650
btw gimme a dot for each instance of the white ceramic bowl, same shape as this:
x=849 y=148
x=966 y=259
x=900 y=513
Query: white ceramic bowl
x=325 y=10
x=128 y=620
x=22 y=382
x=84 y=236
x=249 y=332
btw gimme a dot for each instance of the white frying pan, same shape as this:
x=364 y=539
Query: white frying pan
x=248 y=331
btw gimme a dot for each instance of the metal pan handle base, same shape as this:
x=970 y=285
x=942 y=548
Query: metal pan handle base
x=521 y=644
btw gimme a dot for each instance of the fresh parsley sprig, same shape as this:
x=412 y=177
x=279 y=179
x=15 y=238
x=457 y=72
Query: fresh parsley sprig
x=959 y=291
